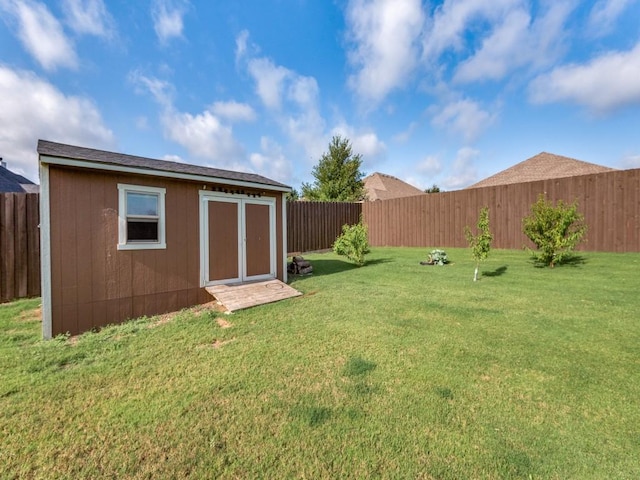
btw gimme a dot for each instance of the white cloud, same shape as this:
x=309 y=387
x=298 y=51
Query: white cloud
x=516 y=40
x=404 y=136
x=630 y=161
x=423 y=173
x=606 y=83
x=89 y=17
x=33 y=108
x=450 y=21
x=499 y=51
x=292 y=99
x=385 y=34
x=269 y=80
x=463 y=117
x=429 y=166
x=304 y=91
x=41 y=34
x=605 y=13
x=271 y=162
x=168 y=18
x=363 y=142
x=204 y=136
x=463 y=171
x=161 y=90
x=234 y=111
x=241 y=45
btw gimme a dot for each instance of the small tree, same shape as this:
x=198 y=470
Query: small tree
x=353 y=243
x=480 y=244
x=555 y=231
x=433 y=189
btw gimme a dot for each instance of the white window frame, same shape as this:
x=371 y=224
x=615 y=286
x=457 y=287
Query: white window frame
x=123 y=189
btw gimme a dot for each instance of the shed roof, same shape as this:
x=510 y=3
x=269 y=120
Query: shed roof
x=380 y=186
x=12 y=182
x=544 y=166
x=105 y=160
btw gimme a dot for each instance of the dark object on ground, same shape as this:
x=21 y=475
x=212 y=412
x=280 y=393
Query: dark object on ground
x=299 y=266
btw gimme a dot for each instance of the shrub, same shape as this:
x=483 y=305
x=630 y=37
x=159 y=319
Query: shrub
x=555 y=231
x=437 y=257
x=353 y=243
x=480 y=244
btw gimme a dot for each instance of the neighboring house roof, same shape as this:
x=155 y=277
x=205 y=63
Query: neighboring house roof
x=103 y=160
x=12 y=182
x=544 y=166
x=380 y=186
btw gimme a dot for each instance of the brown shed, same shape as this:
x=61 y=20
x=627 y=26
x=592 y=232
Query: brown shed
x=125 y=236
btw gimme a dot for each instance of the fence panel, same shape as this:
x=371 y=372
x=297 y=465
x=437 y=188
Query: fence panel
x=315 y=225
x=19 y=246
x=609 y=201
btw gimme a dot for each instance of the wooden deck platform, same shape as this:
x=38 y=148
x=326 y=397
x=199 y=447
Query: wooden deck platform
x=237 y=297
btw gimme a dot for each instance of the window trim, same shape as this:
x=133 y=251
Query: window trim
x=123 y=189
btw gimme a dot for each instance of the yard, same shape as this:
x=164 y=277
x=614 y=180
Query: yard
x=393 y=370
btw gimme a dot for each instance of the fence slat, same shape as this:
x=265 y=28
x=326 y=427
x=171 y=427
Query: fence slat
x=19 y=246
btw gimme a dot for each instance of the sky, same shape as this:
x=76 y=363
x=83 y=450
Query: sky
x=442 y=92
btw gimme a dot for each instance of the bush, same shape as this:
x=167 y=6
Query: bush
x=353 y=243
x=555 y=231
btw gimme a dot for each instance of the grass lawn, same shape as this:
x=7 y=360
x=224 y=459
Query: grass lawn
x=393 y=370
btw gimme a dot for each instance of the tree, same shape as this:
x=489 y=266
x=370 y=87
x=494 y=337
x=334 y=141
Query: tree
x=480 y=244
x=337 y=175
x=293 y=195
x=555 y=231
x=433 y=189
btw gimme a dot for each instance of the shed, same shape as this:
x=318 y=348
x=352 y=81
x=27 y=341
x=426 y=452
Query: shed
x=125 y=236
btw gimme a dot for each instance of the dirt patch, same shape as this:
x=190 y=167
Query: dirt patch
x=221 y=343
x=222 y=323
x=163 y=319
x=34 y=315
x=213 y=306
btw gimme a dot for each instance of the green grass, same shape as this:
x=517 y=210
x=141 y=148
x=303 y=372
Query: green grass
x=393 y=370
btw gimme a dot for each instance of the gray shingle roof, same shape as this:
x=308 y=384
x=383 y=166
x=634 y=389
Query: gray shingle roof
x=544 y=166
x=12 y=182
x=380 y=186
x=119 y=159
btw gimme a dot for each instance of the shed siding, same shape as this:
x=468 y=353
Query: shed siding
x=94 y=283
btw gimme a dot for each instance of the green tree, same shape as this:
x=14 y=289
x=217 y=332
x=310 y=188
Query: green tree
x=293 y=195
x=480 y=244
x=433 y=189
x=554 y=230
x=337 y=175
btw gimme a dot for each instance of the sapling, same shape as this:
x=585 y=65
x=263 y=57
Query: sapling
x=480 y=244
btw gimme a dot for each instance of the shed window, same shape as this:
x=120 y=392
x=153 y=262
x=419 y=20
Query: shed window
x=141 y=217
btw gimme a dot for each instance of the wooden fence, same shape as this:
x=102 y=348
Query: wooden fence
x=19 y=246
x=609 y=201
x=315 y=225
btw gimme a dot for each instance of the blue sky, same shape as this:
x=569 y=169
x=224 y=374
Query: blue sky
x=431 y=92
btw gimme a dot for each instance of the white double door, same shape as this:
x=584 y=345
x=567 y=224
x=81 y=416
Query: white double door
x=237 y=238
